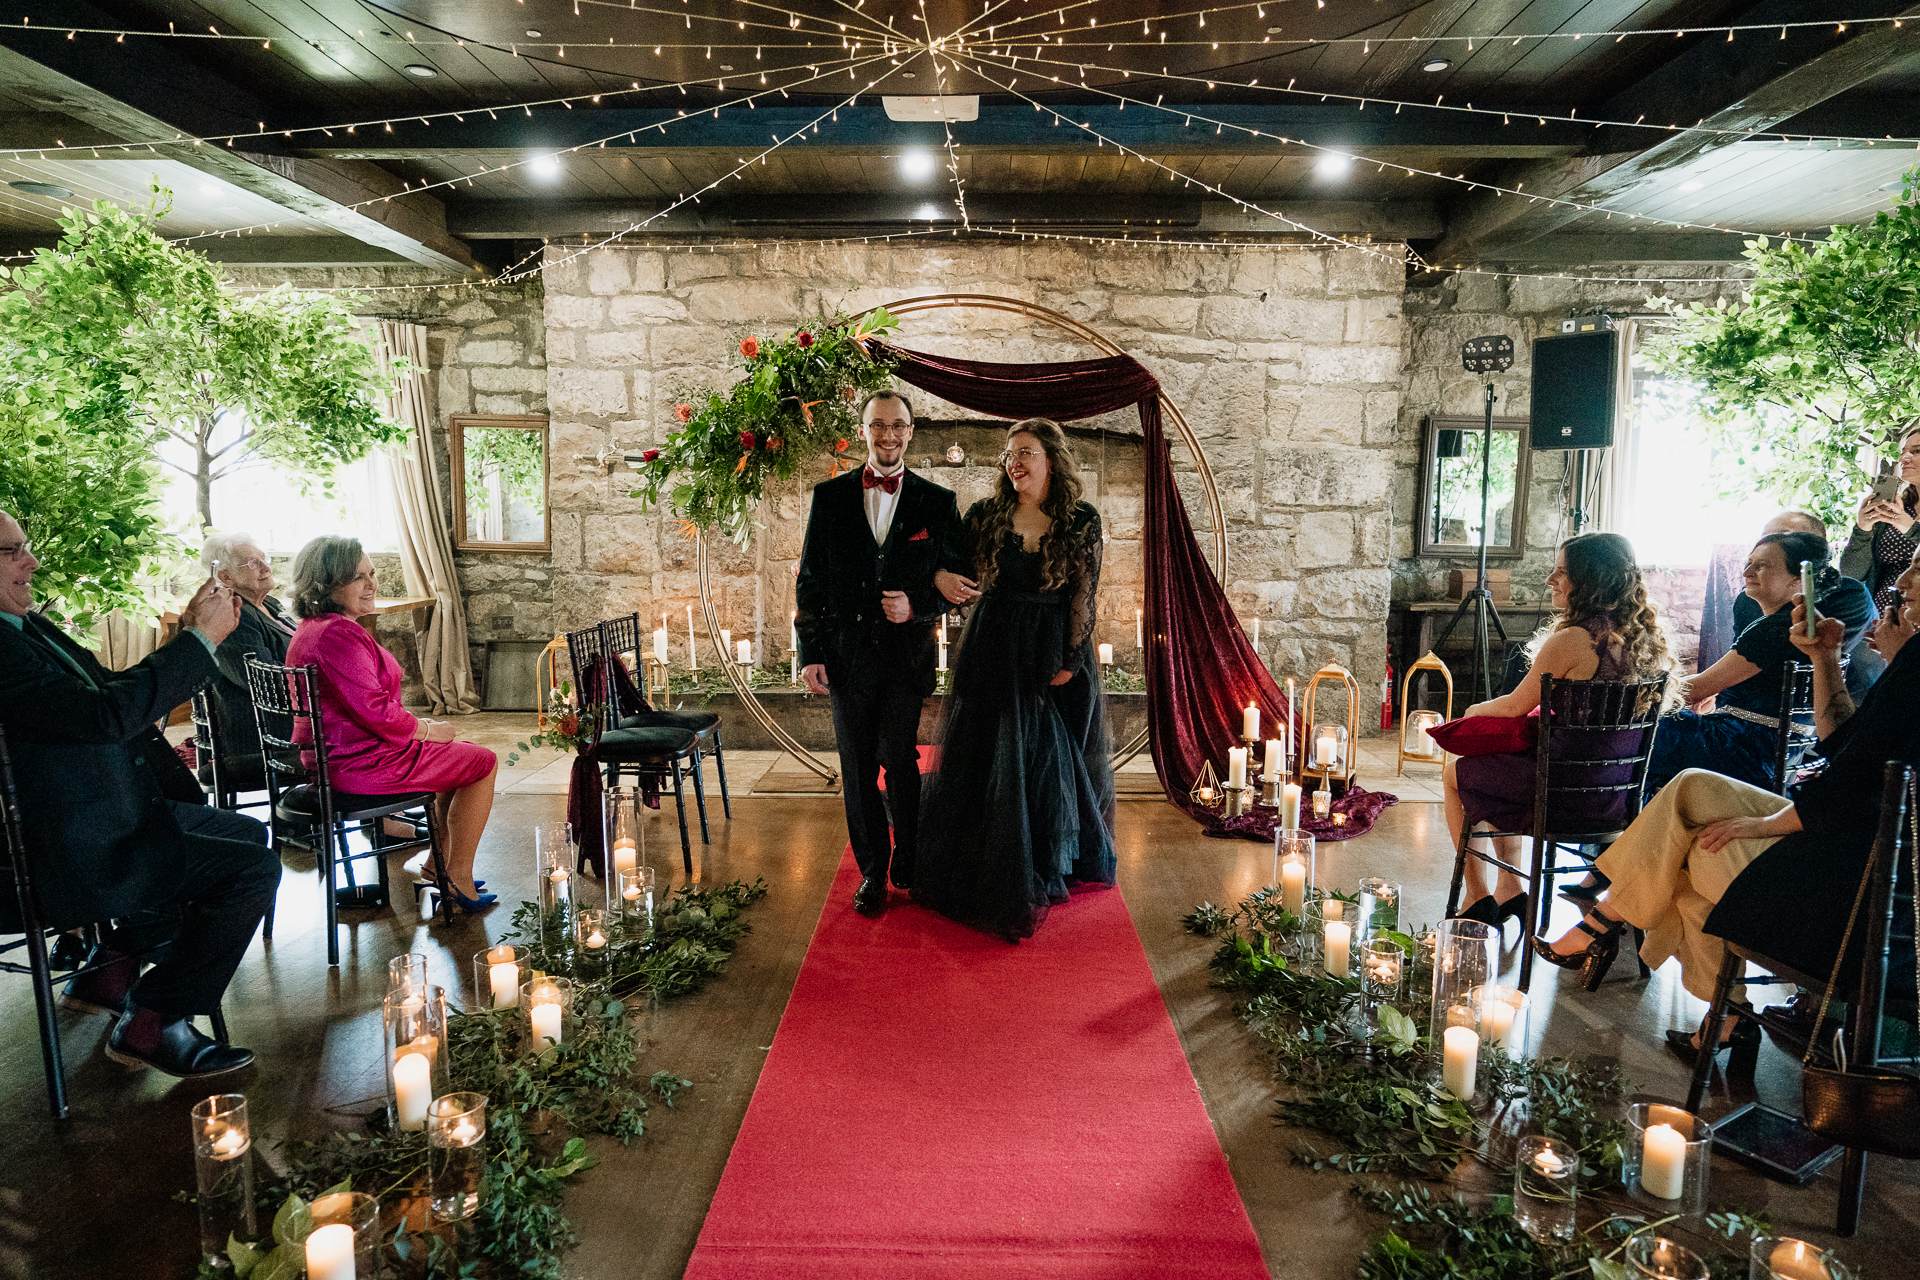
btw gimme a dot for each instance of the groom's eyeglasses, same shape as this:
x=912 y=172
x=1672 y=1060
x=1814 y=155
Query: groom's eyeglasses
x=1025 y=455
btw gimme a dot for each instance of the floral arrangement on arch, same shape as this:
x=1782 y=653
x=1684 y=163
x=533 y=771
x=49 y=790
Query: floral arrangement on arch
x=798 y=398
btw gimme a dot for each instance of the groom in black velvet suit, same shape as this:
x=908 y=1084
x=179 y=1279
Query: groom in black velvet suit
x=865 y=603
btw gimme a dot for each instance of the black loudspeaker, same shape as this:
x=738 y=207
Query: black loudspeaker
x=1573 y=390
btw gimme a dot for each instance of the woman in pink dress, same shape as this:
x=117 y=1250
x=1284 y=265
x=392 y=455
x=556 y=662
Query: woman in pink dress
x=375 y=746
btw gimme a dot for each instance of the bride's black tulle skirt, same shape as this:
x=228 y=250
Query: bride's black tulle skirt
x=1020 y=813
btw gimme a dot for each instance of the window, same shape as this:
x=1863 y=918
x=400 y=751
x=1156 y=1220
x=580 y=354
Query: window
x=285 y=513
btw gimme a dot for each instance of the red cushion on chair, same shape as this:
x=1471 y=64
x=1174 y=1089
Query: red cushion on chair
x=1489 y=735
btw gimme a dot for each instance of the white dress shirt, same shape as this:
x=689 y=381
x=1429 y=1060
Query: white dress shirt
x=880 y=504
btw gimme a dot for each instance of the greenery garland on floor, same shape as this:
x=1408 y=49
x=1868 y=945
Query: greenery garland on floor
x=1371 y=1094
x=540 y=1107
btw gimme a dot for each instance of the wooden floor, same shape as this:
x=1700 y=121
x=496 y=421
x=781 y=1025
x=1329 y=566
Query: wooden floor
x=94 y=1196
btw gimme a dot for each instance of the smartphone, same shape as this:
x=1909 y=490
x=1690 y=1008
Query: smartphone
x=1806 y=593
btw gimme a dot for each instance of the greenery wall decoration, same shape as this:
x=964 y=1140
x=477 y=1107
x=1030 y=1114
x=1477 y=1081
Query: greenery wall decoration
x=1819 y=364
x=116 y=331
x=799 y=397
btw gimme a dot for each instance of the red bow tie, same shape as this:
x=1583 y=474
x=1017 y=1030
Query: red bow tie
x=870 y=480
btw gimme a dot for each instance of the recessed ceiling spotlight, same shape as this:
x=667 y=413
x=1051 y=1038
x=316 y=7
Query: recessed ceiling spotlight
x=1273 y=31
x=1332 y=165
x=726 y=66
x=422 y=70
x=1695 y=185
x=908 y=75
x=41 y=189
x=916 y=165
x=1436 y=64
x=546 y=167
x=532 y=34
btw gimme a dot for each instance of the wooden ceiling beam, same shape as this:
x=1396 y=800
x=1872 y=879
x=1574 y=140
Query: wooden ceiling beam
x=1734 y=87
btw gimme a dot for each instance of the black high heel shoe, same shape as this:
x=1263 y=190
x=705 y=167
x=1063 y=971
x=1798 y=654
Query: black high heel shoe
x=1594 y=962
x=1518 y=905
x=1745 y=1043
x=1485 y=910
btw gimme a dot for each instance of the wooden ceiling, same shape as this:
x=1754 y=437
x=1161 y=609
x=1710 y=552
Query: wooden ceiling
x=344 y=101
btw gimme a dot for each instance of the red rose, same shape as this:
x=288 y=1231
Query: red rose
x=805 y=339
x=684 y=412
x=650 y=455
x=749 y=347
x=569 y=724
x=746 y=439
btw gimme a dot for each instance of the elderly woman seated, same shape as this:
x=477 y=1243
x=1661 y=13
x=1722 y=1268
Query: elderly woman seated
x=236 y=561
x=375 y=746
x=1780 y=871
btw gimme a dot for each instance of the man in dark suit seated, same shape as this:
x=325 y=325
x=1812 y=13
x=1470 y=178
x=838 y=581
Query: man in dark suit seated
x=117 y=828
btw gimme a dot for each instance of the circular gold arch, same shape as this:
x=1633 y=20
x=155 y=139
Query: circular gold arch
x=984 y=302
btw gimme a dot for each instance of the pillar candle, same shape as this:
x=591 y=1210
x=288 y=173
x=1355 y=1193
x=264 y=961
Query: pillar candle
x=942 y=664
x=1290 y=807
x=1293 y=877
x=1272 y=763
x=626 y=855
x=1250 y=722
x=1106 y=655
x=743 y=651
x=1323 y=749
x=726 y=645
x=1236 y=766
x=500 y=954
x=330 y=1252
x=545 y=1016
x=1499 y=1016
x=1256 y=635
x=412 y=1089
x=1462 y=1061
x=505 y=980
x=660 y=645
x=1339 y=941
x=1333 y=909
x=1663 y=1162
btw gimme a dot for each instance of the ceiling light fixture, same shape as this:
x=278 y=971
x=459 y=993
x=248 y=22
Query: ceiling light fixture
x=916 y=165
x=726 y=66
x=532 y=34
x=422 y=70
x=546 y=168
x=1333 y=166
x=1437 y=64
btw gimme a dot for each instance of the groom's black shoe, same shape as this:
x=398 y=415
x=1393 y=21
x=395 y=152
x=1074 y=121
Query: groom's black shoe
x=902 y=872
x=870 y=899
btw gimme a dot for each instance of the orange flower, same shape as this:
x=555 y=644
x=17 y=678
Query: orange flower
x=569 y=724
x=684 y=412
x=806 y=409
x=839 y=446
x=742 y=464
x=749 y=347
x=775 y=444
x=689 y=530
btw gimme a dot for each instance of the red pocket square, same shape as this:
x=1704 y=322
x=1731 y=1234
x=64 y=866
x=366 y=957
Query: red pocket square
x=918 y=537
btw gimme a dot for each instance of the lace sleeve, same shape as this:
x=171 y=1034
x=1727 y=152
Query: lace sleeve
x=1083 y=583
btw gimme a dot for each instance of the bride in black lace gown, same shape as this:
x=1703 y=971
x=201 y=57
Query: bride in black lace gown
x=1021 y=811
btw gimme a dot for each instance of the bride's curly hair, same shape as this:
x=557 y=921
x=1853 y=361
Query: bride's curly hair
x=1603 y=577
x=992 y=518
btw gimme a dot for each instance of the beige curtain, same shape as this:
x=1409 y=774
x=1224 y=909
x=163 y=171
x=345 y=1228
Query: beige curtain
x=121 y=641
x=426 y=549
x=1610 y=478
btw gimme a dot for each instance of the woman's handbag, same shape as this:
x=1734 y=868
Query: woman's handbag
x=1869 y=1108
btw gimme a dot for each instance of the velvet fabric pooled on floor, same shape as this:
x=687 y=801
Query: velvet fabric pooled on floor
x=939 y=1103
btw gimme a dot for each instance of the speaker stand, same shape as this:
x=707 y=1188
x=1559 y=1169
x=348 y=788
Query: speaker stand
x=1579 y=513
x=1480 y=599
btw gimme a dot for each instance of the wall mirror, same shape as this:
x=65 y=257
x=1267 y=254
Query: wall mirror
x=1447 y=521
x=499 y=465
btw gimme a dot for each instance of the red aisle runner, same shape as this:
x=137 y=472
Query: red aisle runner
x=938 y=1103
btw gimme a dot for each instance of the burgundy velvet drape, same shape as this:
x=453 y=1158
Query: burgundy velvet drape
x=1201 y=670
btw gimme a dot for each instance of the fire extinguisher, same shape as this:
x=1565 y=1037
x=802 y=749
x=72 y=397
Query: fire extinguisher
x=1386 y=700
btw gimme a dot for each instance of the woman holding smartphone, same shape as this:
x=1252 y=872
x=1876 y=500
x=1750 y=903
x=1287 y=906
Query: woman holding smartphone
x=1891 y=529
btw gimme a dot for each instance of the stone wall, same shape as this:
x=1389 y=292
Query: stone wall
x=1286 y=361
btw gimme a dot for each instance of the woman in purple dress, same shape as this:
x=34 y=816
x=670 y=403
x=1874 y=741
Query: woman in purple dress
x=375 y=746
x=1606 y=630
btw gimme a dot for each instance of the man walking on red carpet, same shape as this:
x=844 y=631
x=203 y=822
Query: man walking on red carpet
x=865 y=602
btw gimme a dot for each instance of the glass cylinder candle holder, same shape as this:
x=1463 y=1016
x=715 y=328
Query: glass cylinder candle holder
x=592 y=943
x=549 y=1006
x=407 y=971
x=635 y=900
x=1546 y=1188
x=345 y=1241
x=1311 y=941
x=1383 y=970
x=1784 y=1258
x=1649 y=1255
x=1379 y=906
x=1293 y=868
x=1327 y=748
x=553 y=846
x=1457 y=1054
x=1417 y=735
x=625 y=836
x=553 y=869
x=496 y=978
x=1503 y=1018
x=1465 y=956
x=414 y=1021
x=223 y=1168
x=456 y=1153
x=1668 y=1154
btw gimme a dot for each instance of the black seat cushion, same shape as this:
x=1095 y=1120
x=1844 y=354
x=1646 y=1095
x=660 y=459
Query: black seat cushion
x=699 y=722
x=302 y=804
x=653 y=742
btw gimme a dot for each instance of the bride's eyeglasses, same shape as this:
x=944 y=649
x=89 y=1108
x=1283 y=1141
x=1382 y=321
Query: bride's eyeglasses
x=1025 y=455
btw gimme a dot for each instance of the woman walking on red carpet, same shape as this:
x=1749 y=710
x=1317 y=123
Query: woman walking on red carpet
x=1021 y=811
